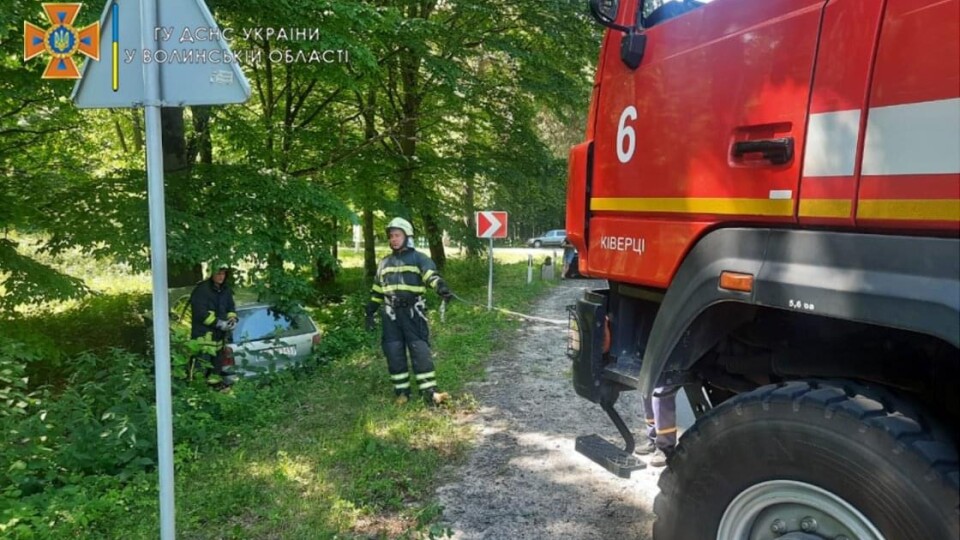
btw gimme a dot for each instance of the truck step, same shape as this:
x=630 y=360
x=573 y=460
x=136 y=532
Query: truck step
x=608 y=455
x=624 y=372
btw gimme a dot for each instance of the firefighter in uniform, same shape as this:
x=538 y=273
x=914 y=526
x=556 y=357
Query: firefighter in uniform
x=398 y=294
x=213 y=314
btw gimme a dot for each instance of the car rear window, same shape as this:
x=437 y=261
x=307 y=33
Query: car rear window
x=265 y=322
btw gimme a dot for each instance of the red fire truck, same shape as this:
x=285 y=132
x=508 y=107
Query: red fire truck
x=772 y=190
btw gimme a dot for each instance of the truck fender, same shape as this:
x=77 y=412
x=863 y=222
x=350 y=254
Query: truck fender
x=905 y=282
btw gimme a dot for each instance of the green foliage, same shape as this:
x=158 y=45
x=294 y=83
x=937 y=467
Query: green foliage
x=444 y=108
x=26 y=281
x=15 y=395
x=98 y=322
x=297 y=454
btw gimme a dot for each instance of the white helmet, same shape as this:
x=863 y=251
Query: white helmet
x=402 y=224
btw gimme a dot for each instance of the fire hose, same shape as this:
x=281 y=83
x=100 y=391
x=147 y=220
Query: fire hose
x=443 y=312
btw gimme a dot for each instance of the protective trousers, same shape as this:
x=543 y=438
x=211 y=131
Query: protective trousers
x=660 y=413
x=405 y=328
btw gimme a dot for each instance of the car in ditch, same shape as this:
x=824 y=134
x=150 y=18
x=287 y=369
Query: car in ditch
x=266 y=338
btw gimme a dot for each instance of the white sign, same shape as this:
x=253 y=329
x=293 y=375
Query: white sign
x=196 y=64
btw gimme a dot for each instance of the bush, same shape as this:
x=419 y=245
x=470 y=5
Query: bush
x=95 y=324
x=76 y=458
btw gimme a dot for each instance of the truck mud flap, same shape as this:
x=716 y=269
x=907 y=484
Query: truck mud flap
x=585 y=345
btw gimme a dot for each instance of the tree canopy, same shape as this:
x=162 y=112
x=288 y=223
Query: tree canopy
x=432 y=110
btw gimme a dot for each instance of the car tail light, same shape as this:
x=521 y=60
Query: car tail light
x=226 y=357
x=316 y=340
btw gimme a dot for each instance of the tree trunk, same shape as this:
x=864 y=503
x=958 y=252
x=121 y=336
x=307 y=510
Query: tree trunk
x=368 y=112
x=369 y=249
x=200 y=148
x=137 y=130
x=175 y=160
x=435 y=239
x=326 y=267
x=411 y=191
x=120 y=136
x=470 y=241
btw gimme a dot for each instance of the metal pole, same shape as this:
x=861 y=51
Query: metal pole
x=158 y=265
x=490 y=282
x=529 y=269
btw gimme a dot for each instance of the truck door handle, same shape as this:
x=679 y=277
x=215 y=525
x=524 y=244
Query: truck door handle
x=776 y=151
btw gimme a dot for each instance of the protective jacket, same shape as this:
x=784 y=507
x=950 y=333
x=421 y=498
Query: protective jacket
x=208 y=303
x=403 y=276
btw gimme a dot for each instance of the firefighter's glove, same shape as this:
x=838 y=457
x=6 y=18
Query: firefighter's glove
x=371 y=310
x=226 y=325
x=443 y=290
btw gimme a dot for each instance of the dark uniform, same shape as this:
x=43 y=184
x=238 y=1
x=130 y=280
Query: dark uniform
x=402 y=279
x=209 y=304
x=660 y=413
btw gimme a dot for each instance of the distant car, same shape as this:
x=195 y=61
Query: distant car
x=265 y=338
x=551 y=238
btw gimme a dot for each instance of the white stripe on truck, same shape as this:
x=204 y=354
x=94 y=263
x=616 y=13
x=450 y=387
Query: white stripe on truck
x=917 y=138
x=831 y=144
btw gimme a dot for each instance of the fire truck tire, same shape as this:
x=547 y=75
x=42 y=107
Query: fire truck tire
x=812 y=459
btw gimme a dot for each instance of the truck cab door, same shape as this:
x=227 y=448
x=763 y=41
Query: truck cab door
x=910 y=171
x=708 y=128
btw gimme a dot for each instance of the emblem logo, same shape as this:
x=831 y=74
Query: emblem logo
x=61 y=41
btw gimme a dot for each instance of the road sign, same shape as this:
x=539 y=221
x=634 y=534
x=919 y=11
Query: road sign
x=121 y=79
x=195 y=63
x=491 y=224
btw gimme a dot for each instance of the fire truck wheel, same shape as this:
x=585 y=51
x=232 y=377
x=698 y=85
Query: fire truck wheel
x=812 y=459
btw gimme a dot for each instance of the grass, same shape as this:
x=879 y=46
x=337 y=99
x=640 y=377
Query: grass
x=322 y=453
x=345 y=460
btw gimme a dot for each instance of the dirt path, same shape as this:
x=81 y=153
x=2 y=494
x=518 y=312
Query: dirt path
x=524 y=479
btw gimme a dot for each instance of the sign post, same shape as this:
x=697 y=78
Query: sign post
x=143 y=83
x=490 y=277
x=491 y=224
x=158 y=267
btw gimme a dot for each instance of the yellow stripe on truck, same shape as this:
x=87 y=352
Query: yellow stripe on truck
x=693 y=205
x=912 y=209
x=826 y=208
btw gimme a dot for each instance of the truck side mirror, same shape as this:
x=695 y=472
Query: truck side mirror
x=633 y=44
x=605 y=12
